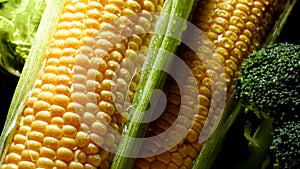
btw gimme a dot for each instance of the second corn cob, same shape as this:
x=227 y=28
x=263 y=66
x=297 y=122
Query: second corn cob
x=69 y=115
x=233 y=29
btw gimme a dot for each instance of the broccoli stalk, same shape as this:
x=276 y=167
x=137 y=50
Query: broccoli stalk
x=269 y=87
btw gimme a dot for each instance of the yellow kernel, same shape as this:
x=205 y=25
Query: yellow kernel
x=226 y=43
x=37 y=136
x=53 y=131
x=47 y=152
x=157 y=164
x=29 y=155
x=64 y=154
x=92 y=23
x=80 y=156
x=26 y=165
x=75 y=165
x=67 y=61
x=58 y=121
x=76 y=107
x=242 y=46
x=164 y=157
x=50 y=69
x=107 y=107
x=134 y=6
x=49 y=78
x=94 y=159
x=71 y=119
x=94 y=74
x=13 y=158
x=28 y=120
x=82 y=139
x=91 y=149
x=61 y=100
x=39 y=125
x=62 y=89
x=69 y=131
x=44 y=116
x=93 y=86
x=17 y=148
x=46 y=163
x=51 y=142
x=60 y=164
x=57 y=110
x=41 y=105
x=63 y=79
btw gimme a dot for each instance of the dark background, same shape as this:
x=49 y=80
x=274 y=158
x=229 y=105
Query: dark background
x=290 y=33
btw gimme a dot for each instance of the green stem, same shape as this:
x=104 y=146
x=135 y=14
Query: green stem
x=30 y=71
x=213 y=145
x=164 y=42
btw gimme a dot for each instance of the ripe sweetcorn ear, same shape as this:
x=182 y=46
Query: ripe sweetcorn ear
x=72 y=110
x=232 y=29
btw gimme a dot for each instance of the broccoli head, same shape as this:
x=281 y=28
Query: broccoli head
x=270 y=82
x=285 y=147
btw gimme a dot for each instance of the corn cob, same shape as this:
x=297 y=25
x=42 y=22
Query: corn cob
x=72 y=111
x=233 y=29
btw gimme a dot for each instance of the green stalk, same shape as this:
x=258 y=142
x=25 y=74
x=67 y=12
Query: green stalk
x=165 y=38
x=30 y=71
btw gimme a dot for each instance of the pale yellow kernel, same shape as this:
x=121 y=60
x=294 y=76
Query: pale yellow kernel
x=98 y=128
x=45 y=163
x=29 y=155
x=26 y=165
x=93 y=86
x=88 y=118
x=98 y=140
x=93 y=98
x=82 y=139
x=92 y=107
x=64 y=154
x=94 y=159
x=71 y=119
x=94 y=74
x=79 y=79
x=76 y=107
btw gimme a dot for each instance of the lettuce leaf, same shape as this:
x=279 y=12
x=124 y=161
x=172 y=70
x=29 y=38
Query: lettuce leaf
x=19 y=20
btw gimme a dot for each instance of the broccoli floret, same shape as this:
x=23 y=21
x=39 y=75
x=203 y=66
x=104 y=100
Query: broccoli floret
x=285 y=148
x=270 y=82
x=270 y=88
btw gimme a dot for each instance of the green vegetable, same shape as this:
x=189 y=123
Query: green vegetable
x=19 y=20
x=285 y=146
x=164 y=40
x=270 y=88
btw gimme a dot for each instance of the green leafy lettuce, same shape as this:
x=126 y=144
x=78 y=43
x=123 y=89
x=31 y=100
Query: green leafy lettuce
x=19 y=20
